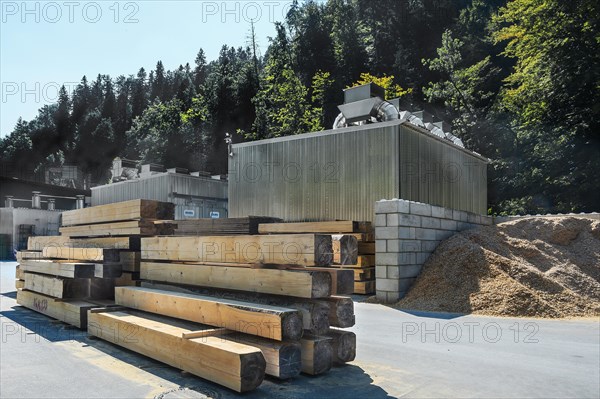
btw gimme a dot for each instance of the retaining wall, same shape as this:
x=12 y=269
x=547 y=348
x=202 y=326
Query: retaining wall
x=406 y=234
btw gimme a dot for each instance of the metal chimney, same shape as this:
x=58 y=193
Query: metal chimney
x=51 y=204
x=8 y=203
x=36 y=201
x=80 y=202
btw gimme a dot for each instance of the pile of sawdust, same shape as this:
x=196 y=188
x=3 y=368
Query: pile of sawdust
x=531 y=267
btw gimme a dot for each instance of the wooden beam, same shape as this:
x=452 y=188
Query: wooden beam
x=341 y=311
x=343 y=344
x=342 y=280
x=334 y=227
x=108 y=270
x=57 y=287
x=70 y=288
x=217 y=227
x=234 y=365
x=136 y=227
x=19 y=273
x=315 y=313
x=127 y=210
x=262 y=320
x=362 y=261
x=364 y=274
x=131 y=279
x=81 y=254
x=366 y=248
x=212 y=332
x=284 y=359
x=56 y=268
x=298 y=283
x=19 y=284
x=130 y=260
x=71 y=312
x=364 y=287
x=317 y=354
x=28 y=255
x=345 y=249
x=37 y=243
x=297 y=249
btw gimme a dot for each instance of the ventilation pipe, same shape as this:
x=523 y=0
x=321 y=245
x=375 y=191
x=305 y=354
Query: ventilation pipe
x=51 y=204
x=36 y=201
x=8 y=202
x=80 y=202
x=364 y=104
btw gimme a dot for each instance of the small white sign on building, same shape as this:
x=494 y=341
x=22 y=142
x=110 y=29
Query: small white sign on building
x=189 y=213
x=215 y=215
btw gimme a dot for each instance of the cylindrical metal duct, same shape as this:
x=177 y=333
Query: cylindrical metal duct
x=51 y=204
x=8 y=203
x=80 y=202
x=36 y=201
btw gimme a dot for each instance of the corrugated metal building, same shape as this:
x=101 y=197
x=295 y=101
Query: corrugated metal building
x=194 y=196
x=339 y=174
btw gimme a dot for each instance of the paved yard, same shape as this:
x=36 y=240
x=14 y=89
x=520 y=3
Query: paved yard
x=399 y=355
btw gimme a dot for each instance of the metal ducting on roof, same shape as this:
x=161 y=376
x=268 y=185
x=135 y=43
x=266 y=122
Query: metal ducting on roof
x=364 y=104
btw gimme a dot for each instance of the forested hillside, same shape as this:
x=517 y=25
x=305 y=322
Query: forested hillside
x=519 y=80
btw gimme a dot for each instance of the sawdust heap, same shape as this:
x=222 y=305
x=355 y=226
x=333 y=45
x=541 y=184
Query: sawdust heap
x=531 y=267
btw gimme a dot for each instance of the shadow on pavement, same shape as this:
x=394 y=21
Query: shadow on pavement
x=348 y=381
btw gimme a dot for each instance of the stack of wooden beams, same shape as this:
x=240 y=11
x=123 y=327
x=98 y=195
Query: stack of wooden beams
x=80 y=269
x=65 y=288
x=234 y=308
x=218 y=227
x=353 y=246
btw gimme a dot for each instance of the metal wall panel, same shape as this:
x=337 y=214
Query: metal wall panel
x=203 y=195
x=340 y=174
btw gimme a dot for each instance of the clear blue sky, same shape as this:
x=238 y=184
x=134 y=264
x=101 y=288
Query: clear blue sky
x=46 y=44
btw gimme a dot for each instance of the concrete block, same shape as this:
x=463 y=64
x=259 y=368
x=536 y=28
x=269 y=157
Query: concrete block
x=430 y=222
x=407 y=233
x=442 y=235
x=449 y=225
x=487 y=220
x=429 y=246
x=459 y=216
x=403 y=206
x=409 y=220
x=448 y=213
x=406 y=271
x=387 y=284
x=437 y=212
x=392 y=219
x=422 y=257
x=395 y=259
x=404 y=245
x=391 y=206
x=380 y=220
x=406 y=258
x=380 y=246
x=393 y=297
x=386 y=233
x=417 y=208
x=473 y=218
x=381 y=296
x=381 y=272
x=426 y=234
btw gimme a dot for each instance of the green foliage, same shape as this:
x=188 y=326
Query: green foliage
x=518 y=79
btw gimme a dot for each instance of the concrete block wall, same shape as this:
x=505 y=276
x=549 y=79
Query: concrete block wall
x=406 y=233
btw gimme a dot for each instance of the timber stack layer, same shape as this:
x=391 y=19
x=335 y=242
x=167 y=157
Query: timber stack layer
x=222 y=227
x=64 y=276
x=353 y=245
